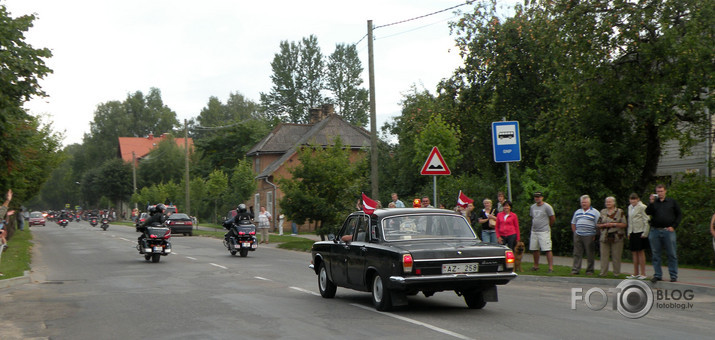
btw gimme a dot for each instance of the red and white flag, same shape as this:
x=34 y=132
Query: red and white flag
x=368 y=205
x=463 y=200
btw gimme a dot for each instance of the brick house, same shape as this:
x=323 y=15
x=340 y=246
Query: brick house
x=275 y=154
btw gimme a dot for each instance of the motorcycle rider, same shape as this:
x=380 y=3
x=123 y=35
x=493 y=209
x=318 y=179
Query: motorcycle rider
x=64 y=215
x=242 y=217
x=156 y=216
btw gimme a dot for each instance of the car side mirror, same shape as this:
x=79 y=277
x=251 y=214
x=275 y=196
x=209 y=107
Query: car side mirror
x=331 y=237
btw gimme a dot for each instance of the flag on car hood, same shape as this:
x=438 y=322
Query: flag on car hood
x=368 y=205
x=463 y=200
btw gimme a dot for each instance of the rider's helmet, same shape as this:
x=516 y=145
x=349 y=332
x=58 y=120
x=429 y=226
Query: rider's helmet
x=160 y=208
x=241 y=208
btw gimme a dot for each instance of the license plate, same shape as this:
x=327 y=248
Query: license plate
x=456 y=268
x=237 y=246
x=179 y=223
x=158 y=249
x=247 y=244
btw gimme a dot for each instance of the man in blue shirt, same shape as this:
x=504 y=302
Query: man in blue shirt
x=398 y=203
x=583 y=225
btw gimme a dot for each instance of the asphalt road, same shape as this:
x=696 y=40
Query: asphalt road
x=93 y=284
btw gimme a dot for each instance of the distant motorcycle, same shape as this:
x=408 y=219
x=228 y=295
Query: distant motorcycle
x=105 y=223
x=155 y=244
x=241 y=238
x=77 y=218
x=93 y=221
x=63 y=222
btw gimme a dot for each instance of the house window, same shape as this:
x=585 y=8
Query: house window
x=269 y=202
x=257 y=164
x=257 y=203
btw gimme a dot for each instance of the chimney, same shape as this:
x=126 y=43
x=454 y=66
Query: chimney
x=318 y=114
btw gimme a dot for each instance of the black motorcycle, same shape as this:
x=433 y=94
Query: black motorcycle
x=105 y=223
x=63 y=222
x=241 y=238
x=155 y=243
x=93 y=221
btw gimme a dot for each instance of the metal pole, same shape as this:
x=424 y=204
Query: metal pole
x=186 y=174
x=434 y=192
x=373 y=123
x=134 y=176
x=508 y=181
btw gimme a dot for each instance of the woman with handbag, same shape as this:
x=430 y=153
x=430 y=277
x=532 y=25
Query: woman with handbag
x=612 y=226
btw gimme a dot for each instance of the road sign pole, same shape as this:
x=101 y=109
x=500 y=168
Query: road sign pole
x=508 y=181
x=434 y=191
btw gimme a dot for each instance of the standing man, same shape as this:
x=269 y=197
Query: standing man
x=665 y=217
x=425 y=202
x=542 y=219
x=500 y=201
x=583 y=225
x=398 y=203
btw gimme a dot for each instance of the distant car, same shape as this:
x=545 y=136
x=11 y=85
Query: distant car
x=180 y=224
x=171 y=209
x=142 y=217
x=36 y=218
x=399 y=252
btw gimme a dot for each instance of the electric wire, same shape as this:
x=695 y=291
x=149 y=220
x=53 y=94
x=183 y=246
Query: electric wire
x=424 y=16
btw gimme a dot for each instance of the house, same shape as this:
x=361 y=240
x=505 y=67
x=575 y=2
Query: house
x=139 y=147
x=275 y=154
x=698 y=160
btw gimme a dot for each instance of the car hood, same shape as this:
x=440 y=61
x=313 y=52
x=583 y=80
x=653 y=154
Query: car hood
x=432 y=249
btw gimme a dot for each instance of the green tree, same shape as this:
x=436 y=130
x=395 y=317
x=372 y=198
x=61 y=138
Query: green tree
x=217 y=114
x=323 y=188
x=343 y=79
x=310 y=74
x=217 y=188
x=116 y=180
x=243 y=183
x=224 y=149
x=163 y=164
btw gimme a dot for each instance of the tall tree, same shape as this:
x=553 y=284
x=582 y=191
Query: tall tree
x=283 y=102
x=343 y=79
x=163 y=164
x=310 y=74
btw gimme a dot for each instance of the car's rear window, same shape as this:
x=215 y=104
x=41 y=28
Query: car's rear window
x=428 y=226
x=35 y=214
x=179 y=217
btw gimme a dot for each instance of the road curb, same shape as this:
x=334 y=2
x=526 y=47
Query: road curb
x=614 y=282
x=16 y=281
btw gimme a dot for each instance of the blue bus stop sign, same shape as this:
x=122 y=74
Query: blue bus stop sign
x=506 y=142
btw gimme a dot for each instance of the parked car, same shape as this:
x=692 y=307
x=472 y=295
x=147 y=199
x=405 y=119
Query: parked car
x=395 y=253
x=142 y=217
x=36 y=218
x=180 y=224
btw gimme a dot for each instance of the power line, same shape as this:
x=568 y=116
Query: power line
x=426 y=15
x=416 y=28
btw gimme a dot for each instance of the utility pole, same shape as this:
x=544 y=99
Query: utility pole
x=373 y=123
x=134 y=174
x=186 y=172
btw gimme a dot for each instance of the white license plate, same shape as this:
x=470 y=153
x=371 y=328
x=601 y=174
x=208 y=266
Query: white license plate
x=182 y=223
x=247 y=244
x=158 y=249
x=237 y=246
x=456 y=268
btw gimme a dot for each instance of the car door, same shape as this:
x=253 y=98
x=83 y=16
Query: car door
x=357 y=254
x=340 y=249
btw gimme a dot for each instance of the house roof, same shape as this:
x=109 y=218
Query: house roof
x=141 y=146
x=322 y=134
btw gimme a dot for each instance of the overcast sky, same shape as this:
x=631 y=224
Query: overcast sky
x=191 y=50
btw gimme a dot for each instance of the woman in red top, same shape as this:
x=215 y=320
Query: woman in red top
x=507 y=227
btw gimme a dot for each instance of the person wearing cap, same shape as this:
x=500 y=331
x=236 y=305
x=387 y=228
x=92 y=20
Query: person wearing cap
x=542 y=219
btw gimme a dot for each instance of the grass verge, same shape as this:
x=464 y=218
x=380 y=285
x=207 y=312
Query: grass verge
x=563 y=271
x=16 y=259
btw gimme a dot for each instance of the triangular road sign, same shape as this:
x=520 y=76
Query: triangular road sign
x=435 y=164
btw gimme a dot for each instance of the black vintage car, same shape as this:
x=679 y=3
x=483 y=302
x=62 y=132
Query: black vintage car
x=398 y=252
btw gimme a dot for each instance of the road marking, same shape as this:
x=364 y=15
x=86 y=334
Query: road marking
x=218 y=265
x=190 y=258
x=413 y=321
x=262 y=278
x=122 y=238
x=305 y=291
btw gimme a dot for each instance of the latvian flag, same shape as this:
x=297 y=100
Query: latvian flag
x=463 y=200
x=368 y=205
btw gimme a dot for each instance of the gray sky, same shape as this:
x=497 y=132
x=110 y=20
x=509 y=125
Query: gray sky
x=191 y=50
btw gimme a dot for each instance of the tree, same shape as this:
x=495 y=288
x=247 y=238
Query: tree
x=217 y=188
x=323 y=187
x=243 y=182
x=283 y=101
x=116 y=180
x=28 y=150
x=164 y=163
x=217 y=114
x=343 y=79
x=310 y=74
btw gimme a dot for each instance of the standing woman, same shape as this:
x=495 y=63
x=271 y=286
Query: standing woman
x=507 y=226
x=638 y=230
x=612 y=224
x=264 y=223
x=488 y=219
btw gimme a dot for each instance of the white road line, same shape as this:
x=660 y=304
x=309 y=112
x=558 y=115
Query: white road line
x=122 y=238
x=218 y=265
x=190 y=258
x=305 y=291
x=262 y=278
x=412 y=321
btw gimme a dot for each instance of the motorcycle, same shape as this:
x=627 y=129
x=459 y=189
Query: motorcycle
x=156 y=243
x=63 y=222
x=77 y=218
x=105 y=223
x=93 y=221
x=241 y=238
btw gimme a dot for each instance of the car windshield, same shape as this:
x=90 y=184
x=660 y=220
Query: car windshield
x=428 y=226
x=179 y=217
x=35 y=214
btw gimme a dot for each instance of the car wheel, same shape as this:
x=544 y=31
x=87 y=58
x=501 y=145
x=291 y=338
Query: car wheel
x=475 y=300
x=380 y=294
x=327 y=288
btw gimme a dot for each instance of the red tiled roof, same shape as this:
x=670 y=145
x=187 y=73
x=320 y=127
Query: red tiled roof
x=143 y=145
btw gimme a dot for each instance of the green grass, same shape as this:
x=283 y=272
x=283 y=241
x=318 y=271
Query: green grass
x=563 y=271
x=16 y=260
